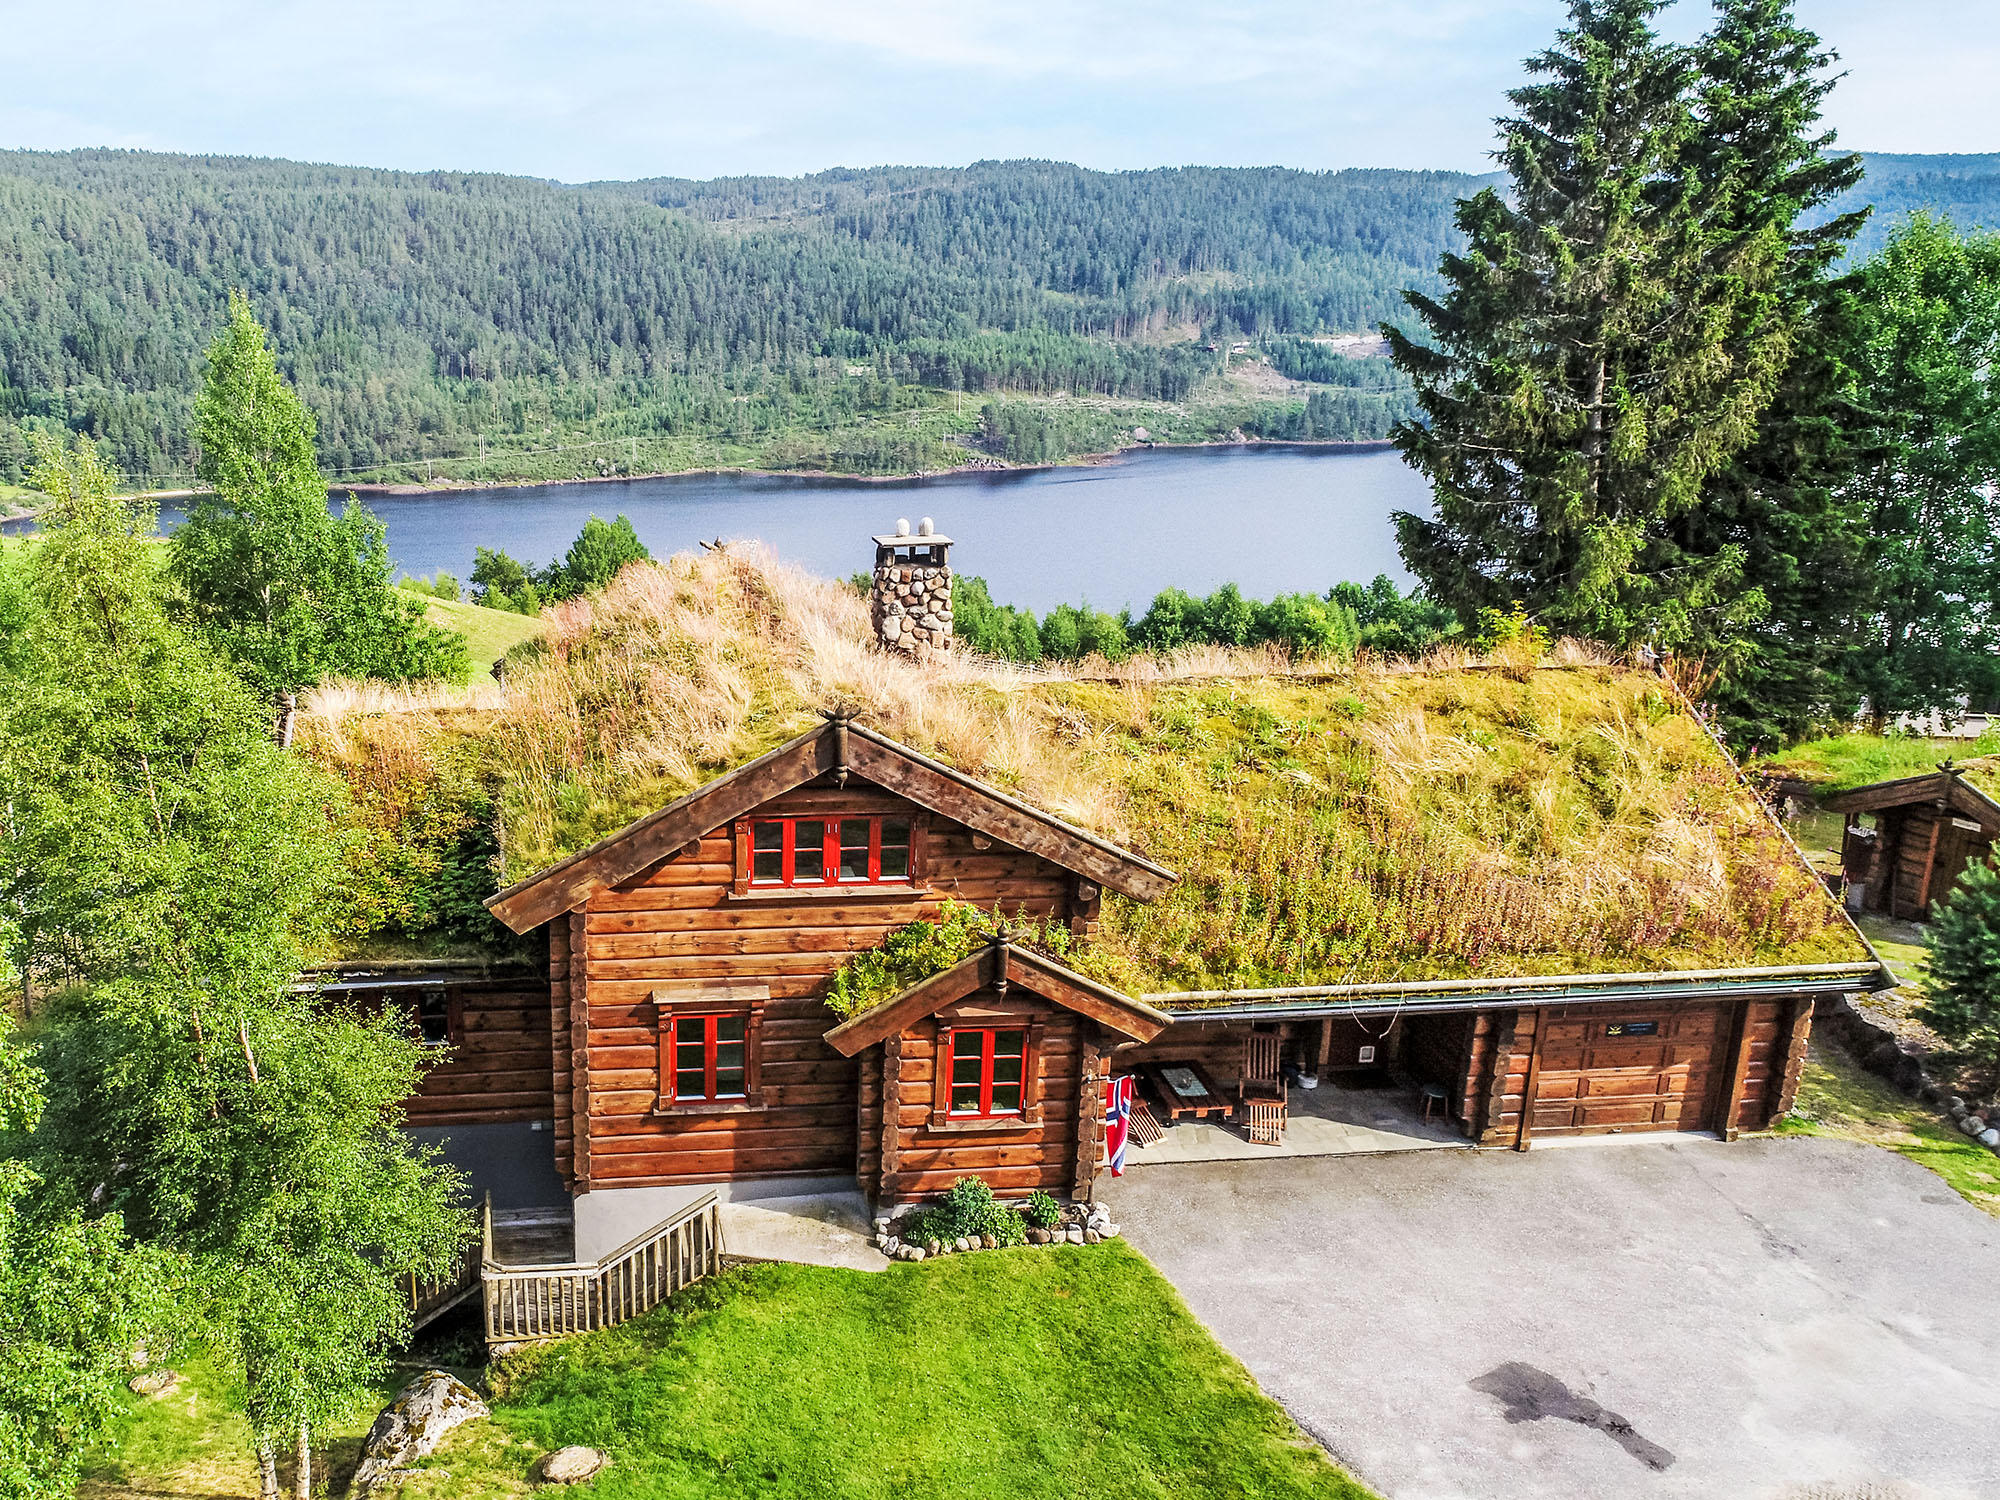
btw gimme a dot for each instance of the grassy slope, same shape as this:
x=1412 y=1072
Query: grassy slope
x=488 y=632
x=1013 y=1373
x=1838 y=1098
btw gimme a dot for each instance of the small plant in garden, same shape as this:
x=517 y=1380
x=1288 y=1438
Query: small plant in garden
x=967 y=1210
x=1042 y=1210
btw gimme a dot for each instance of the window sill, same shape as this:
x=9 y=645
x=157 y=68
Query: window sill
x=884 y=892
x=994 y=1125
x=667 y=1109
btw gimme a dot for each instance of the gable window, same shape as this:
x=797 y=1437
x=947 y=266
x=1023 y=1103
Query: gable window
x=794 y=853
x=705 y=1058
x=986 y=1069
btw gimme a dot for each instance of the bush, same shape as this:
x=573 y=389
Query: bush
x=967 y=1210
x=1042 y=1210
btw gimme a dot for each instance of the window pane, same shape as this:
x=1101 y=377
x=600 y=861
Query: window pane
x=433 y=1017
x=1008 y=1043
x=895 y=848
x=809 y=851
x=854 y=849
x=965 y=1099
x=729 y=1028
x=728 y=1082
x=690 y=1083
x=690 y=1054
x=1006 y=1097
x=768 y=865
x=1006 y=1070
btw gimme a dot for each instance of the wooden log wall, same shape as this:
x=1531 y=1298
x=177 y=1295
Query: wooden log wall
x=679 y=923
x=498 y=1071
x=917 y=1159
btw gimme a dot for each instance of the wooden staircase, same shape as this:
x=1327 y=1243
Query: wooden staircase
x=528 y=1303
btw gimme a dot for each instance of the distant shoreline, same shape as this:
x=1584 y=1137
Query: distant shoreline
x=1083 y=460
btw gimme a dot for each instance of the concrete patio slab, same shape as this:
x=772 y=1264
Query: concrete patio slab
x=1330 y=1120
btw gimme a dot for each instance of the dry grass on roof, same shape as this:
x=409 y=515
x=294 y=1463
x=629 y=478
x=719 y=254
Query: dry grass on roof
x=1388 y=820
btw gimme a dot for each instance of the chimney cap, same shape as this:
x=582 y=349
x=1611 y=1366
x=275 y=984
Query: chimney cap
x=904 y=539
x=902 y=526
x=926 y=527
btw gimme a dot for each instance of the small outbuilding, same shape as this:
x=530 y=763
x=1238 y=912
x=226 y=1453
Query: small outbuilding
x=1926 y=831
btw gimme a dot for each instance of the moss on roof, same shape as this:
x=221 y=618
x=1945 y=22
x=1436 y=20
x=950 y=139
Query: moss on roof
x=1841 y=762
x=1377 y=822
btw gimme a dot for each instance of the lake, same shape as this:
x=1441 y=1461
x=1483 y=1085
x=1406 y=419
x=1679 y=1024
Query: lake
x=1274 y=520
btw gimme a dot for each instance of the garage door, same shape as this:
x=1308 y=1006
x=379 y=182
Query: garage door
x=1606 y=1071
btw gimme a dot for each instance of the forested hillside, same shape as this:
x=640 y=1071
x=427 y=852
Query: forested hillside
x=418 y=313
x=801 y=322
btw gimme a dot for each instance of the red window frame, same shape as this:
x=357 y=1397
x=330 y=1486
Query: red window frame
x=835 y=829
x=988 y=1054
x=674 y=1029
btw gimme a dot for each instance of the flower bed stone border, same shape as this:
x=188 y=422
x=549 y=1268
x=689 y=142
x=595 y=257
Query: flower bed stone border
x=1082 y=1224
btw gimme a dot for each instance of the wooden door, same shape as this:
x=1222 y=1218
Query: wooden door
x=1651 y=1069
x=1957 y=848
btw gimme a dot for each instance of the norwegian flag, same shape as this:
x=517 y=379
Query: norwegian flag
x=1117 y=1120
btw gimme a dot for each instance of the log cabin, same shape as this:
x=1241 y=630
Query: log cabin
x=1362 y=861
x=1920 y=835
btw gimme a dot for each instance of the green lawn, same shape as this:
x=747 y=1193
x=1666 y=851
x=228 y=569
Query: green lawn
x=1839 y=1098
x=488 y=632
x=1050 y=1373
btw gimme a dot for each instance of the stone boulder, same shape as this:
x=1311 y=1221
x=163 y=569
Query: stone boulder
x=411 y=1427
x=573 y=1465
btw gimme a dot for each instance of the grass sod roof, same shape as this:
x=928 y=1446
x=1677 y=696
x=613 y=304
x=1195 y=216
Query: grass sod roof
x=1842 y=762
x=1387 y=822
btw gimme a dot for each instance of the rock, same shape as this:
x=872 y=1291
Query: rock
x=154 y=1383
x=891 y=1244
x=1109 y=1231
x=1972 y=1124
x=961 y=1243
x=892 y=629
x=1956 y=1108
x=1075 y=1235
x=932 y=1247
x=1038 y=1236
x=573 y=1465
x=1990 y=1137
x=989 y=1242
x=1091 y=1237
x=917 y=1252
x=412 y=1426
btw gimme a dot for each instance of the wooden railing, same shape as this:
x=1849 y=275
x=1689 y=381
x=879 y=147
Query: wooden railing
x=530 y=1303
x=432 y=1298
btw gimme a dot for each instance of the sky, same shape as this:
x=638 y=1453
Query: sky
x=703 y=88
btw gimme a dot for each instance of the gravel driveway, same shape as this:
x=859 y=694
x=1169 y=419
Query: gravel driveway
x=1805 y=1319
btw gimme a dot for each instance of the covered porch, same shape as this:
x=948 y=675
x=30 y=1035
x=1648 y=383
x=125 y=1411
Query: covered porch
x=1333 y=1086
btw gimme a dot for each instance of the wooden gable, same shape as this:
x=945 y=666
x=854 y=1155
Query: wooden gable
x=840 y=749
x=998 y=966
x=1950 y=788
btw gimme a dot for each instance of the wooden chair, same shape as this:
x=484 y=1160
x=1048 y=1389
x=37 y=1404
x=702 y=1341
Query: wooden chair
x=1261 y=1095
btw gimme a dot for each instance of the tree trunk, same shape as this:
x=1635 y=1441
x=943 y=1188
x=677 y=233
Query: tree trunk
x=267 y=1470
x=288 y=709
x=302 y=1479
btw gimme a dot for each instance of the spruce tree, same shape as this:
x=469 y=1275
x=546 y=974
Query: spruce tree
x=290 y=592
x=1776 y=515
x=1578 y=382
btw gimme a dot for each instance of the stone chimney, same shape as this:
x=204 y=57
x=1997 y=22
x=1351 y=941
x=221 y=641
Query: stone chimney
x=911 y=597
